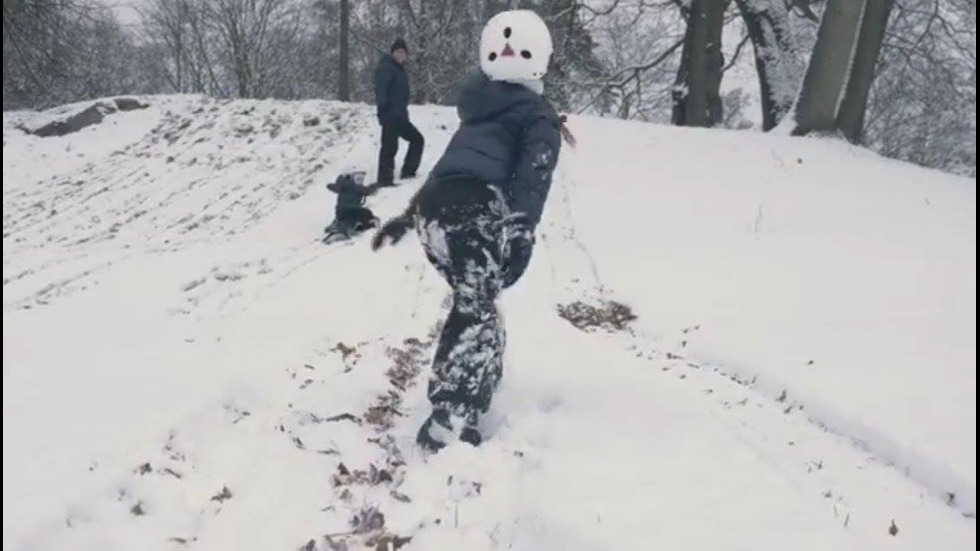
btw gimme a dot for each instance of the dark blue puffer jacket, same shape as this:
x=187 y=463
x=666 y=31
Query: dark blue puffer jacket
x=350 y=195
x=508 y=136
x=391 y=90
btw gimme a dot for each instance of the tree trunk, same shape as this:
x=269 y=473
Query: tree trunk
x=421 y=56
x=343 y=78
x=767 y=22
x=714 y=61
x=850 y=119
x=696 y=97
x=681 y=91
x=826 y=75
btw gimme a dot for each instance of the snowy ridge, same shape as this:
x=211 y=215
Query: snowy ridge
x=187 y=367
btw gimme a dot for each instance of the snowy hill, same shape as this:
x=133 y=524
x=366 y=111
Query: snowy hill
x=185 y=366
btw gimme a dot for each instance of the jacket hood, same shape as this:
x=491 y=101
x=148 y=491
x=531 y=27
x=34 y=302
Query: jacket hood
x=481 y=98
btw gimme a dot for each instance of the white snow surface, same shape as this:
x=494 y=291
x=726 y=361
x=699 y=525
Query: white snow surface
x=185 y=366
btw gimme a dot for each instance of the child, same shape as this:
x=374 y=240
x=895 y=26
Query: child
x=350 y=216
x=477 y=212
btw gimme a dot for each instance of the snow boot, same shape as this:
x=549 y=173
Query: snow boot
x=436 y=431
x=439 y=429
x=471 y=435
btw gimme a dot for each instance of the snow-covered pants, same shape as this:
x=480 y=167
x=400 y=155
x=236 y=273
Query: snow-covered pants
x=350 y=220
x=461 y=228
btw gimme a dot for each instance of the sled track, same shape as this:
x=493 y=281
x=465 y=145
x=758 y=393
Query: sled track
x=730 y=389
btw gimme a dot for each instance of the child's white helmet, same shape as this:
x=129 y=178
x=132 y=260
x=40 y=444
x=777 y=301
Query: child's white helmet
x=515 y=46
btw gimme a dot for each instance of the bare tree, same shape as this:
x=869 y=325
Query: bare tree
x=574 y=59
x=343 y=73
x=850 y=117
x=167 y=21
x=181 y=32
x=827 y=72
x=638 y=47
x=256 y=37
x=841 y=70
x=431 y=24
x=922 y=106
x=63 y=50
x=697 y=101
x=37 y=48
x=777 y=62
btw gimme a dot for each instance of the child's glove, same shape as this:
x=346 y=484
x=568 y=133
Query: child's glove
x=517 y=252
x=393 y=230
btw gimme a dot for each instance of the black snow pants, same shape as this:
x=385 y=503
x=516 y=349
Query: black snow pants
x=349 y=221
x=461 y=227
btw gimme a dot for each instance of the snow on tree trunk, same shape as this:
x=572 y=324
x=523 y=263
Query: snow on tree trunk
x=827 y=74
x=850 y=118
x=768 y=25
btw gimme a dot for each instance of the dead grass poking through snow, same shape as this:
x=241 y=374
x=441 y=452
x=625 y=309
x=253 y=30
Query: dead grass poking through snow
x=607 y=315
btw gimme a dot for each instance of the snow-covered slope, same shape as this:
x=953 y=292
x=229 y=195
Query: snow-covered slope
x=185 y=366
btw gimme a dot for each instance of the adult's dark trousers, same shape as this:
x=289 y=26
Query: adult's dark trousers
x=391 y=132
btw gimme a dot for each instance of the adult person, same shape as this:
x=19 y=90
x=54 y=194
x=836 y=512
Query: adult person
x=392 y=94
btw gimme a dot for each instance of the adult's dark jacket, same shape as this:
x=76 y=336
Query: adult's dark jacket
x=508 y=136
x=391 y=90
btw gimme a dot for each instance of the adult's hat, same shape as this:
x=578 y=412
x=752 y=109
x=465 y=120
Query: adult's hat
x=399 y=44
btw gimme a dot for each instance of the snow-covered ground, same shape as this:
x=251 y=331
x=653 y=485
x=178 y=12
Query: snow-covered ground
x=185 y=366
